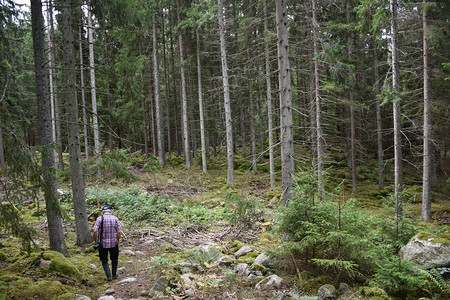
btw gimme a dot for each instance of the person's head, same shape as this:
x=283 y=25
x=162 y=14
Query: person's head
x=106 y=209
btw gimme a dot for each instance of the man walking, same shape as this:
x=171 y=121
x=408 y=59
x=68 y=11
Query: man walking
x=109 y=227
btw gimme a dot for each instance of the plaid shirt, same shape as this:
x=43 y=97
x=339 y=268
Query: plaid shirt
x=111 y=225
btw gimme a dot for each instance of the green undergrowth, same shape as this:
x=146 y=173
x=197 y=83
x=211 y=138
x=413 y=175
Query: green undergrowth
x=134 y=204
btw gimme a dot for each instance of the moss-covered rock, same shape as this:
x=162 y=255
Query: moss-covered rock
x=61 y=264
x=248 y=258
x=35 y=290
x=373 y=293
x=24 y=263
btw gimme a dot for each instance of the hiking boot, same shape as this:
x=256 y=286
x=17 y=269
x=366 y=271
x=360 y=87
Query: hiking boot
x=107 y=271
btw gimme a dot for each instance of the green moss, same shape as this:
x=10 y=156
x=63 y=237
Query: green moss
x=60 y=264
x=67 y=296
x=235 y=246
x=436 y=239
x=35 y=290
x=258 y=267
x=373 y=293
x=311 y=286
x=24 y=264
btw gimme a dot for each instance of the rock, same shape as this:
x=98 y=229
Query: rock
x=251 y=276
x=272 y=280
x=343 y=288
x=140 y=253
x=160 y=286
x=45 y=264
x=61 y=264
x=121 y=269
x=327 y=292
x=81 y=297
x=264 y=260
x=110 y=291
x=128 y=252
x=106 y=298
x=225 y=261
x=241 y=252
x=242 y=269
x=426 y=250
x=374 y=292
x=258 y=273
x=129 y=279
x=189 y=293
x=187 y=280
x=93 y=266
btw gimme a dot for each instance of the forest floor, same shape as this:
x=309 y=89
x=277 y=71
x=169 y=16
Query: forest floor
x=198 y=213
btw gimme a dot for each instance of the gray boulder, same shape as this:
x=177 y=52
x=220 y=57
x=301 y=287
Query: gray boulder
x=160 y=286
x=242 y=269
x=81 y=297
x=225 y=261
x=264 y=260
x=427 y=251
x=244 y=250
x=327 y=292
x=269 y=281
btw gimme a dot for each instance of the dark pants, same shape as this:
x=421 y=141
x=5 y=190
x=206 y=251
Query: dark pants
x=113 y=254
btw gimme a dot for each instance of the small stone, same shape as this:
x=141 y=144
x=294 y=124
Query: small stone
x=187 y=280
x=343 y=288
x=93 y=266
x=140 y=253
x=121 y=269
x=258 y=273
x=106 y=298
x=189 y=293
x=241 y=252
x=45 y=264
x=251 y=276
x=129 y=279
x=81 y=297
x=264 y=260
x=128 y=252
x=328 y=292
x=225 y=261
x=242 y=269
x=110 y=291
x=160 y=285
x=271 y=280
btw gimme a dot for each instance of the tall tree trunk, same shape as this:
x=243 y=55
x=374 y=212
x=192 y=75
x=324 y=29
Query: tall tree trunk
x=268 y=95
x=200 y=104
x=50 y=76
x=352 y=108
x=93 y=93
x=226 y=94
x=251 y=112
x=56 y=99
x=83 y=96
x=398 y=176
x=284 y=76
x=174 y=88
x=426 y=190
x=318 y=102
x=166 y=92
x=108 y=88
x=187 y=151
x=158 y=110
x=55 y=229
x=76 y=171
x=379 y=124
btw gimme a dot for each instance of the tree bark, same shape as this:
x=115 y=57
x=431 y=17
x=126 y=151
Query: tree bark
x=379 y=124
x=426 y=190
x=55 y=229
x=268 y=95
x=226 y=95
x=158 y=110
x=93 y=93
x=398 y=176
x=76 y=171
x=251 y=112
x=200 y=104
x=83 y=96
x=187 y=151
x=284 y=76
x=50 y=75
x=319 y=135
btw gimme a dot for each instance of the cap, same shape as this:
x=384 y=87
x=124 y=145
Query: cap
x=106 y=208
